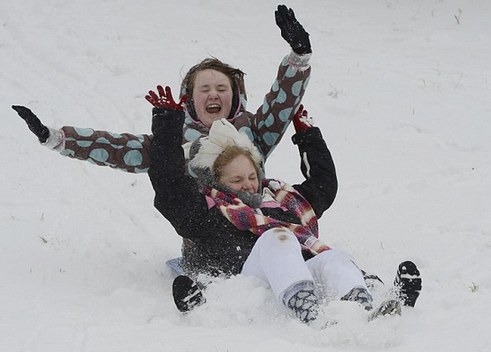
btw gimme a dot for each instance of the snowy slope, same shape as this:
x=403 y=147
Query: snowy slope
x=401 y=91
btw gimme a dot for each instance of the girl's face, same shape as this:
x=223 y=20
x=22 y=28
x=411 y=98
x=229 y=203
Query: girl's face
x=240 y=175
x=212 y=96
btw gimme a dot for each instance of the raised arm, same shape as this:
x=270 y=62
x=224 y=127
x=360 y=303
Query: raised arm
x=321 y=184
x=271 y=120
x=177 y=196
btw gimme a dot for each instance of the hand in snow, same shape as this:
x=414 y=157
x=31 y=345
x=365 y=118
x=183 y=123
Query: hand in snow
x=302 y=121
x=292 y=31
x=164 y=99
x=33 y=122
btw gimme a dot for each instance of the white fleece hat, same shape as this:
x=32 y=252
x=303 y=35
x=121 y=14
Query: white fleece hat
x=206 y=150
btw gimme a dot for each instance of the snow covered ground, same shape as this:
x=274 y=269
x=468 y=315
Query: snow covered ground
x=401 y=90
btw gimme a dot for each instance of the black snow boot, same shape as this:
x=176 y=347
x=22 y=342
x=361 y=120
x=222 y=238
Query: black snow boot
x=187 y=294
x=407 y=284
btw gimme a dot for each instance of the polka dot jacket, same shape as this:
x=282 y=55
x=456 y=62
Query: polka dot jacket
x=131 y=153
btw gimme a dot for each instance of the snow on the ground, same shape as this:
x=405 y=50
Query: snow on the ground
x=401 y=91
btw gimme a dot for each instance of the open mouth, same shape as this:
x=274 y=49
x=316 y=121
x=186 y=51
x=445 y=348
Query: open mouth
x=213 y=108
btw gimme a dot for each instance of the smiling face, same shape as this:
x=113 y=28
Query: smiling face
x=236 y=169
x=212 y=96
x=240 y=175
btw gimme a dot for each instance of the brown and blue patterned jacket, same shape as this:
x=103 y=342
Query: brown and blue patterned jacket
x=265 y=127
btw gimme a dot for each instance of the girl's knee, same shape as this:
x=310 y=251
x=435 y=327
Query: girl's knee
x=336 y=257
x=279 y=238
x=280 y=235
x=335 y=254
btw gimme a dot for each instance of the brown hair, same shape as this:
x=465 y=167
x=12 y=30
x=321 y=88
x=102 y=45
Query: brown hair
x=235 y=76
x=229 y=154
x=212 y=63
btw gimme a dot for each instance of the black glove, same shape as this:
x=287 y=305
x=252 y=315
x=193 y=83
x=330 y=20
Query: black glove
x=292 y=31
x=34 y=124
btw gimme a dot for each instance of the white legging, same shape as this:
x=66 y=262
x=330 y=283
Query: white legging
x=277 y=259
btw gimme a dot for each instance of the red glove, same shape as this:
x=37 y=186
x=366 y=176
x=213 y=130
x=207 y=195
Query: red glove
x=165 y=99
x=301 y=120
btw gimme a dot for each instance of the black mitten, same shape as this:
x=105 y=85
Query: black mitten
x=292 y=31
x=33 y=122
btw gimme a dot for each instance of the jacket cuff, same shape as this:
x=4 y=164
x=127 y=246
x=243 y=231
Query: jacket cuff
x=56 y=140
x=300 y=62
x=306 y=135
x=166 y=119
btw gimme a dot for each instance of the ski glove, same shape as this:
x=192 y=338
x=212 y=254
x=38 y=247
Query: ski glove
x=302 y=121
x=165 y=99
x=292 y=31
x=33 y=122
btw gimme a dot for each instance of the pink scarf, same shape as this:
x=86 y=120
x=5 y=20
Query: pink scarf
x=246 y=218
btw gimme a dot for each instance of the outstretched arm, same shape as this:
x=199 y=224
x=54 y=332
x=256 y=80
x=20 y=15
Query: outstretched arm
x=124 y=151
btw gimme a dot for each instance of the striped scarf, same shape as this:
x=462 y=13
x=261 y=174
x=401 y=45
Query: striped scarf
x=246 y=218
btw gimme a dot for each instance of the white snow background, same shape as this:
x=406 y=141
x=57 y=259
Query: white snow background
x=401 y=91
